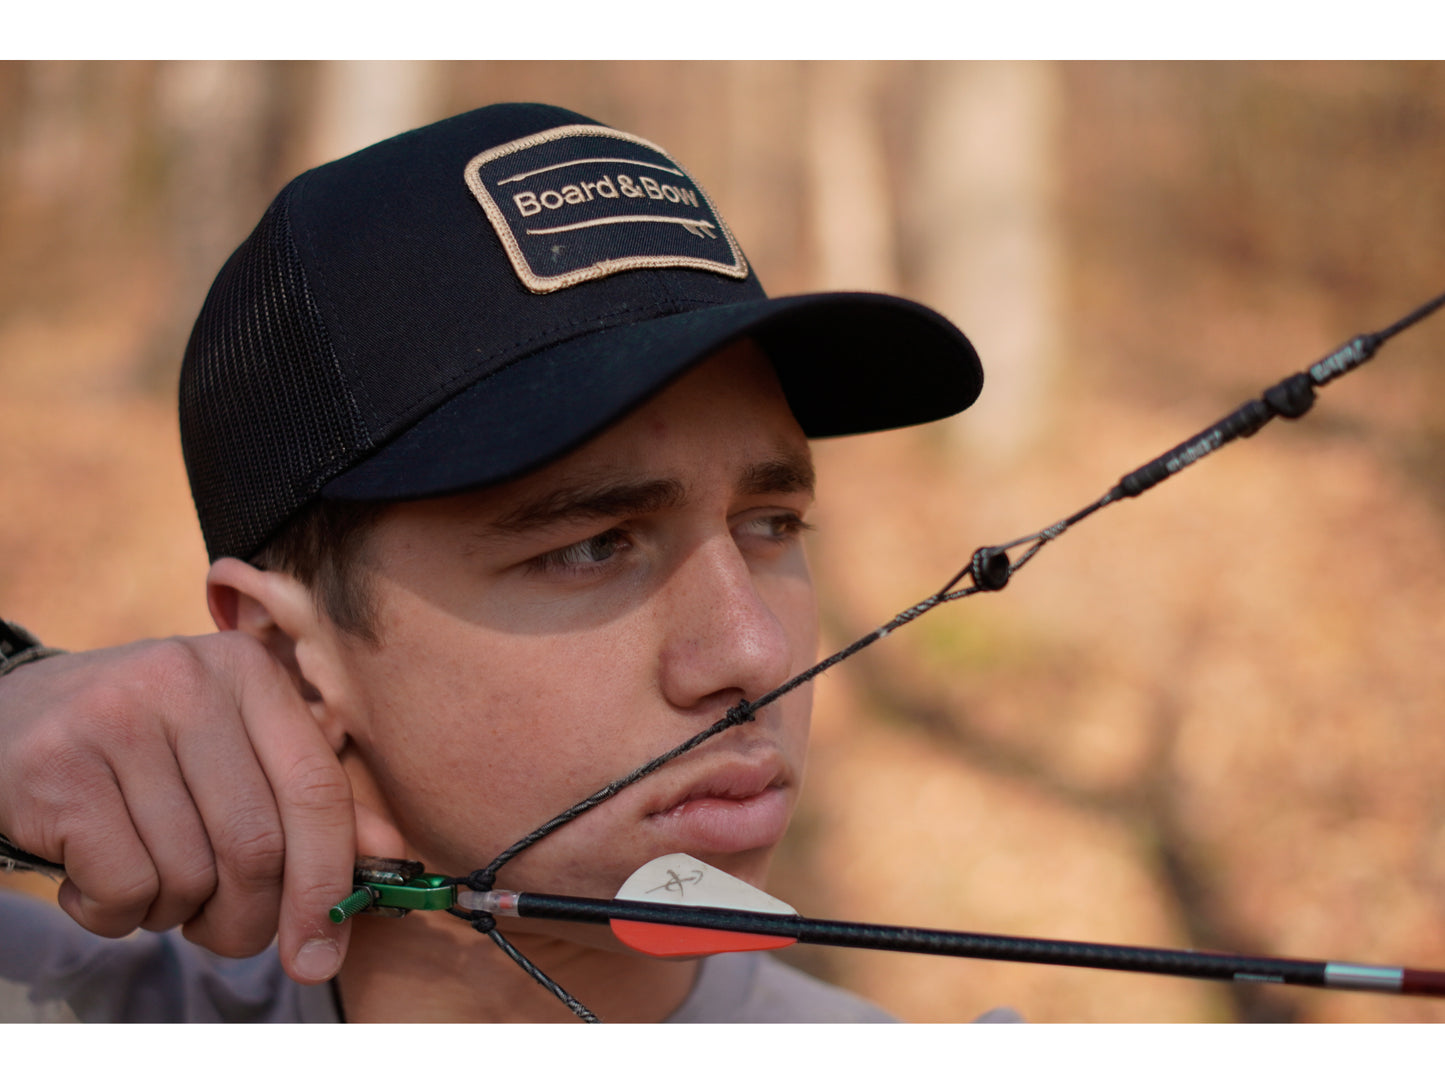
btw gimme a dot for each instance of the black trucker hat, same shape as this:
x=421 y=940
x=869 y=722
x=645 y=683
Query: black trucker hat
x=462 y=303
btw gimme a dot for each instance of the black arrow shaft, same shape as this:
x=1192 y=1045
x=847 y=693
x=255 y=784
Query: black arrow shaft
x=1179 y=962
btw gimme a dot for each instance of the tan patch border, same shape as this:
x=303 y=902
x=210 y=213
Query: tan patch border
x=543 y=284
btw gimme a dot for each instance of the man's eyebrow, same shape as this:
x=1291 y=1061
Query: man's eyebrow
x=588 y=501
x=785 y=474
x=791 y=472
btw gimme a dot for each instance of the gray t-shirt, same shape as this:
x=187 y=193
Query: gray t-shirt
x=51 y=970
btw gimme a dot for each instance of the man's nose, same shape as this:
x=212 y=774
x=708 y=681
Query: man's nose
x=723 y=639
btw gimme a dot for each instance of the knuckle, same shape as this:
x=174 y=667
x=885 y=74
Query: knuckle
x=188 y=886
x=61 y=777
x=97 y=700
x=237 y=652
x=120 y=901
x=191 y=680
x=253 y=850
x=175 y=656
x=188 y=674
x=126 y=703
x=210 y=675
x=98 y=714
x=316 y=783
x=176 y=669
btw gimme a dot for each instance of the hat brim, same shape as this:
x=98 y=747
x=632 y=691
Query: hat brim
x=848 y=363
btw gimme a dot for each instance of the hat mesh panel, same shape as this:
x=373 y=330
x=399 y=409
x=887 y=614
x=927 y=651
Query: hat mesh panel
x=266 y=415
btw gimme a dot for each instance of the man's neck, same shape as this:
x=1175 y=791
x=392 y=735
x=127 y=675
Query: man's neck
x=430 y=967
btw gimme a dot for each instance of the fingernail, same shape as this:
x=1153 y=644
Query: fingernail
x=318 y=960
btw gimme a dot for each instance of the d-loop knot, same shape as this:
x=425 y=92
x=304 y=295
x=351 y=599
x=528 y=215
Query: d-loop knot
x=741 y=712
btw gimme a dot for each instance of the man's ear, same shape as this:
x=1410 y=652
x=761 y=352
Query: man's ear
x=277 y=610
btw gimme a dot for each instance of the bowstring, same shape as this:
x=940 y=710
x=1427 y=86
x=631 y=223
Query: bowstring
x=987 y=575
x=990 y=569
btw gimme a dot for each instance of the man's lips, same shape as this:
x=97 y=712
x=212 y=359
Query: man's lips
x=732 y=781
x=731 y=807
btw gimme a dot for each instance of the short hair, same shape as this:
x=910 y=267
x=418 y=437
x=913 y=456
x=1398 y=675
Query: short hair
x=324 y=548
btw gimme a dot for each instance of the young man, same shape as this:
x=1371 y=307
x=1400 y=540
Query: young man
x=500 y=453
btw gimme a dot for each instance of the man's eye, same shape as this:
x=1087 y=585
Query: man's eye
x=592 y=551
x=774 y=527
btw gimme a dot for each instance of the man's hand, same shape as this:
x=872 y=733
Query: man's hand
x=182 y=783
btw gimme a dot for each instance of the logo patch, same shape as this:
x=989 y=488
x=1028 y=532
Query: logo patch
x=583 y=201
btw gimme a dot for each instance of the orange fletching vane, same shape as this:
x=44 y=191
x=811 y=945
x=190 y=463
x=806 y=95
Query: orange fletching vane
x=658 y=940
x=679 y=878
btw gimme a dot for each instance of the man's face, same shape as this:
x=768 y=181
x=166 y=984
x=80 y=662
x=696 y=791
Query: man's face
x=544 y=637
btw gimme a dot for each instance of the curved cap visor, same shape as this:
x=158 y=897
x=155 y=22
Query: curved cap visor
x=848 y=363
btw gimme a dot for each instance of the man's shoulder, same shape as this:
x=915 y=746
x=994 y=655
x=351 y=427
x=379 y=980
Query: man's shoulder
x=755 y=988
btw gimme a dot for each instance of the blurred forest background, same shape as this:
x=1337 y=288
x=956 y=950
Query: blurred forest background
x=1208 y=718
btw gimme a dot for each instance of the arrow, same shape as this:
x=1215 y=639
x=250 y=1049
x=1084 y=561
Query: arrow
x=645 y=917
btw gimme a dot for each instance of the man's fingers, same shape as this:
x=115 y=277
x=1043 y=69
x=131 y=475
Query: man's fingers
x=180 y=853
x=76 y=815
x=313 y=798
x=110 y=882
x=163 y=816
x=183 y=781
x=246 y=839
